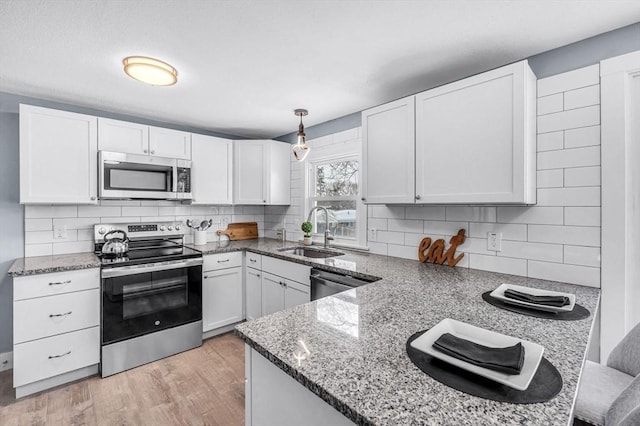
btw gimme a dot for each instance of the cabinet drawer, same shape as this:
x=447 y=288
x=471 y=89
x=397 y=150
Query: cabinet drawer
x=55 y=283
x=290 y=270
x=44 y=358
x=213 y=262
x=48 y=316
x=254 y=260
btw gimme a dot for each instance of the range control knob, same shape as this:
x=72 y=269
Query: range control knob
x=178 y=227
x=163 y=228
x=170 y=228
x=102 y=230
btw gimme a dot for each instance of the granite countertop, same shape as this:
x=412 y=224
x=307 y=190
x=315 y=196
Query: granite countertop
x=58 y=263
x=358 y=363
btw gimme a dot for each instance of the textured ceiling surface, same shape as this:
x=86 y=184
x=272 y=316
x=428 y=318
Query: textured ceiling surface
x=245 y=65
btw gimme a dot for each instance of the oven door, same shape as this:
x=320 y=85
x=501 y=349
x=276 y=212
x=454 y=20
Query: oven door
x=136 y=176
x=141 y=299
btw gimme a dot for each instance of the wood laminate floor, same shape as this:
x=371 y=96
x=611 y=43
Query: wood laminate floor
x=203 y=386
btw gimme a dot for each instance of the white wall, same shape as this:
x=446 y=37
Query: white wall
x=557 y=239
x=41 y=219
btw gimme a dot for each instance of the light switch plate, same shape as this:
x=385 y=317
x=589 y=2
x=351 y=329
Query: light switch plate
x=6 y=361
x=60 y=232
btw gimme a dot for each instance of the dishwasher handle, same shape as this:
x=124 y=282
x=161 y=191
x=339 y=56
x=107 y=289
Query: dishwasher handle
x=329 y=283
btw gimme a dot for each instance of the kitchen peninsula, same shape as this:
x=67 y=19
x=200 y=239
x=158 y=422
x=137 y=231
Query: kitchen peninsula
x=349 y=352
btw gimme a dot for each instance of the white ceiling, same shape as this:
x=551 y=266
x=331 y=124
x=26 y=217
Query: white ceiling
x=245 y=65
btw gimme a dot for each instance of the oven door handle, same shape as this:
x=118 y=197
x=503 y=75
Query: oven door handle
x=152 y=267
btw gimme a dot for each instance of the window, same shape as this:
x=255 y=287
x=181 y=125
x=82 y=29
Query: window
x=335 y=185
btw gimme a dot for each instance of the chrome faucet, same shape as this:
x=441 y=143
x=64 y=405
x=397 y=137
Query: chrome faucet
x=327 y=234
x=282 y=233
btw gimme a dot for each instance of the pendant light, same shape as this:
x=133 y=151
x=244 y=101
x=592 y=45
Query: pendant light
x=301 y=149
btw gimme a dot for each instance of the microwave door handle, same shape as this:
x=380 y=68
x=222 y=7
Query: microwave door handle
x=174 y=187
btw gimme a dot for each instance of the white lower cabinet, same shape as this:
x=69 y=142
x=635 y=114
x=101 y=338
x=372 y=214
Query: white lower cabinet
x=222 y=295
x=284 y=285
x=56 y=329
x=253 y=291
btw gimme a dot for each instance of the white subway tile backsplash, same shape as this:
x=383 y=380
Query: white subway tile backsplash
x=120 y=203
x=571 y=119
x=533 y=251
x=514 y=232
x=582 y=176
x=390 y=212
x=173 y=210
x=575 y=79
x=72 y=247
x=583 y=136
x=378 y=248
x=390 y=237
x=377 y=223
x=31 y=250
x=76 y=223
x=477 y=246
x=582 y=275
x=582 y=97
x=578 y=196
x=425 y=212
x=533 y=215
x=119 y=219
x=552 y=178
x=432 y=227
x=413 y=240
x=471 y=214
x=576 y=157
x=402 y=251
x=405 y=225
x=505 y=265
x=573 y=235
x=582 y=216
x=47 y=211
x=38 y=237
x=585 y=256
x=85 y=235
x=550 y=141
x=98 y=211
x=549 y=104
x=139 y=211
x=38 y=225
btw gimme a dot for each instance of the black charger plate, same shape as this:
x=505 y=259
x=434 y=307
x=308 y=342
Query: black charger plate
x=579 y=312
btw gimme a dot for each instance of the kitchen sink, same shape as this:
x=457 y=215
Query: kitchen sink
x=316 y=253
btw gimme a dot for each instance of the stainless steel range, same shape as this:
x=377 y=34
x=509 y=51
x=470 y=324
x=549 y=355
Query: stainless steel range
x=151 y=293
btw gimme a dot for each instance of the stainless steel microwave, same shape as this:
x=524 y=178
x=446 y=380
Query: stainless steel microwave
x=123 y=176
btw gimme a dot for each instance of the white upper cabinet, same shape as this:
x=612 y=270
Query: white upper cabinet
x=134 y=138
x=169 y=143
x=262 y=170
x=389 y=152
x=211 y=170
x=58 y=157
x=475 y=139
x=474 y=143
x=122 y=136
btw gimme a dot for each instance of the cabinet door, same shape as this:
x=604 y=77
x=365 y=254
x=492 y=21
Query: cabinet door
x=272 y=293
x=169 y=143
x=250 y=167
x=388 y=153
x=253 y=293
x=58 y=157
x=122 y=136
x=221 y=298
x=475 y=139
x=279 y=174
x=211 y=170
x=295 y=294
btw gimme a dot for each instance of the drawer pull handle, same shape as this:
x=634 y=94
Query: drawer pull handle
x=223 y=261
x=253 y=260
x=60 y=356
x=61 y=282
x=60 y=315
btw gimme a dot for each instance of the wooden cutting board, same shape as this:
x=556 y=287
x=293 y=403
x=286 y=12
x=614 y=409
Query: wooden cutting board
x=240 y=231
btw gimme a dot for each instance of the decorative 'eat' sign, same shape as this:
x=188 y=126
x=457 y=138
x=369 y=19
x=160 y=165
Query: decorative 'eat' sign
x=435 y=253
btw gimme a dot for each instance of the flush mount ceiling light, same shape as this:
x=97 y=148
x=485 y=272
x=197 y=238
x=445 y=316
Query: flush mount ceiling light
x=300 y=149
x=149 y=70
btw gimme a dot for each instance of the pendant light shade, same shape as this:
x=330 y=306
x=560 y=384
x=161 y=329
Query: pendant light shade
x=150 y=70
x=301 y=149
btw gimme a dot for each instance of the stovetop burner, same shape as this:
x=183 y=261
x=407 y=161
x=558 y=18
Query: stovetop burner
x=149 y=243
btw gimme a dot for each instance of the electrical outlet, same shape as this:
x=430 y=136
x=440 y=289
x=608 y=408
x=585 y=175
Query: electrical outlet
x=6 y=361
x=373 y=234
x=60 y=232
x=494 y=241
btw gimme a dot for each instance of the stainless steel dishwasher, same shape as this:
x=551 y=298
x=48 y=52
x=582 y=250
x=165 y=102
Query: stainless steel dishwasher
x=325 y=283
